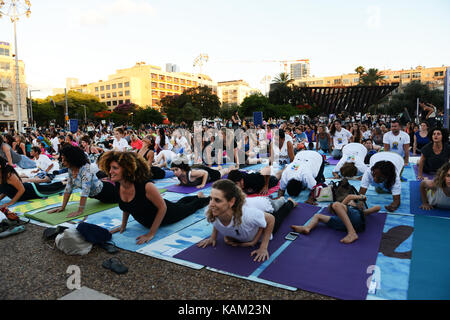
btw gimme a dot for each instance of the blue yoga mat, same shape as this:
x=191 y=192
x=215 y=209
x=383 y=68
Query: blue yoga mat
x=320 y=263
x=237 y=260
x=416 y=202
x=430 y=264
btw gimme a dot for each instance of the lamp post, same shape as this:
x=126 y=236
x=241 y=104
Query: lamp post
x=31 y=107
x=14 y=9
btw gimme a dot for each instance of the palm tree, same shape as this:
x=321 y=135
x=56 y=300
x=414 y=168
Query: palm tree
x=283 y=78
x=360 y=70
x=371 y=77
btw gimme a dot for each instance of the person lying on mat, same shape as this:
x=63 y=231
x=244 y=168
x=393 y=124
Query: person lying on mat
x=384 y=175
x=257 y=182
x=12 y=186
x=352 y=162
x=81 y=176
x=435 y=154
x=240 y=223
x=139 y=197
x=436 y=193
x=197 y=175
x=349 y=216
x=164 y=159
x=305 y=171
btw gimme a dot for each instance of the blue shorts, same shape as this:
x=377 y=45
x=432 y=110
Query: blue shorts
x=356 y=217
x=42 y=175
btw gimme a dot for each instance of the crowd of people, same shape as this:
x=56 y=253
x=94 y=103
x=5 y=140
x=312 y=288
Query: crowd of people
x=119 y=165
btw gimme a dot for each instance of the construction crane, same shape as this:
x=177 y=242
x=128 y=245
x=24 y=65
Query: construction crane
x=199 y=62
x=284 y=63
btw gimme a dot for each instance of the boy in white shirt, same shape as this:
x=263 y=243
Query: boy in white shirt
x=341 y=138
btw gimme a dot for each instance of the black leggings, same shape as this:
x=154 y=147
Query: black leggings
x=107 y=195
x=281 y=214
x=186 y=206
x=157 y=173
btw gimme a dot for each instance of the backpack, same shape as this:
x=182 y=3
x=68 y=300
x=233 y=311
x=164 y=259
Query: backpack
x=93 y=233
x=322 y=192
x=342 y=189
x=71 y=242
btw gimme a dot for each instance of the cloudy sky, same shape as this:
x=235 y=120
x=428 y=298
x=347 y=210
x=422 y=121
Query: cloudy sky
x=91 y=39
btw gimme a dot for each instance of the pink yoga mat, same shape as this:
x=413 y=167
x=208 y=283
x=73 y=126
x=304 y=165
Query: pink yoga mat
x=270 y=191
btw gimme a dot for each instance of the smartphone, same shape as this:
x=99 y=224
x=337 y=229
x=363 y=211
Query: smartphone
x=292 y=236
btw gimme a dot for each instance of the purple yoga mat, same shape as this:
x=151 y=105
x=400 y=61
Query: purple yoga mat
x=332 y=161
x=425 y=175
x=319 y=263
x=237 y=260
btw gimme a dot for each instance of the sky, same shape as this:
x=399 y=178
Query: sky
x=91 y=39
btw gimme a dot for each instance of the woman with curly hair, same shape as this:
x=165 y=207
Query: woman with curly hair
x=384 y=174
x=138 y=196
x=197 y=175
x=81 y=176
x=436 y=193
x=242 y=221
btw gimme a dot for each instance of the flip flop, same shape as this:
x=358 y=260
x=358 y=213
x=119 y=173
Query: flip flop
x=109 y=247
x=115 y=265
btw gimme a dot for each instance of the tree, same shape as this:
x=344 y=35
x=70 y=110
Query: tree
x=147 y=115
x=76 y=101
x=202 y=98
x=252 y=103
x=282 y=78
x=370 y=78
x=408 y=98
x=360 y=71
x=189 y=114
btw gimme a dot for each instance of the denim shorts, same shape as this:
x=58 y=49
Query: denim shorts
x=356 y=217
x=42 y=175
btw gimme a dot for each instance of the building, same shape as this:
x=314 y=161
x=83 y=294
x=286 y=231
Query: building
x=143 y=85
x=234 y=92
x=299 y=71
x=8 y=111
x=433 y=77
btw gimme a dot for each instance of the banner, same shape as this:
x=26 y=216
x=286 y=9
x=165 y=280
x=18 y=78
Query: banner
x=258 y=118
x=447 y=98
x=73 y=125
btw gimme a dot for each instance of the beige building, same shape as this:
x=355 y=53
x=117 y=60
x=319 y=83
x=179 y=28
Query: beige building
x=234 y=92
x=143 y=85
x=434 y=77
x=8 y=111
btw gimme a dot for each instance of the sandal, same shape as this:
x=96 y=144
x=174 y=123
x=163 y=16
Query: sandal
x=110 y=247
x=115 y=265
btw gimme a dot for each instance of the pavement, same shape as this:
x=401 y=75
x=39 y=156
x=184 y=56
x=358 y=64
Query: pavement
x=32 y=269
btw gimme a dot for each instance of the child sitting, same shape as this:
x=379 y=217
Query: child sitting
x=350 y=217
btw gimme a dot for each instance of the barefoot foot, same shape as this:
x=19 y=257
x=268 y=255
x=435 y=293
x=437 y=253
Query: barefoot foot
x=301 y=229
x=351 y=237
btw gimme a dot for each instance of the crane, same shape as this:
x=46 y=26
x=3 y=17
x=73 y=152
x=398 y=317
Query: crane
x=284 y=63
x=199 y=62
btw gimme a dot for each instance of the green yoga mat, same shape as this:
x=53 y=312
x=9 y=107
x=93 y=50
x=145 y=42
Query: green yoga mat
x=92 y=206
x=429 y=277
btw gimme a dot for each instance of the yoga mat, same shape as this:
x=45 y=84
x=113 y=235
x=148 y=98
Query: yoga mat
x=237 y=260
x=270 y=191
x=42 y=203
x=416 y=202
x=332 y=161
x=430 y=264
x=425 y=175
x=318 y=262
x=92 y=206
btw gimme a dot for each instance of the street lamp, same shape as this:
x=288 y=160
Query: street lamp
x=31 y=107
x=14 y=9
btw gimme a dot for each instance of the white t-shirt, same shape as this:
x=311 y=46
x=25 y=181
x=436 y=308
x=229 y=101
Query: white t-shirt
x=43 y=162
x=55 y=143
x=397 y=142
x=341 y=138
x=252 y=220
x=183 y=143
x=367 y=134
x=121 y=145
x=353 y=152
x=304 y=168
x=170 y=155
x=392 y=157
